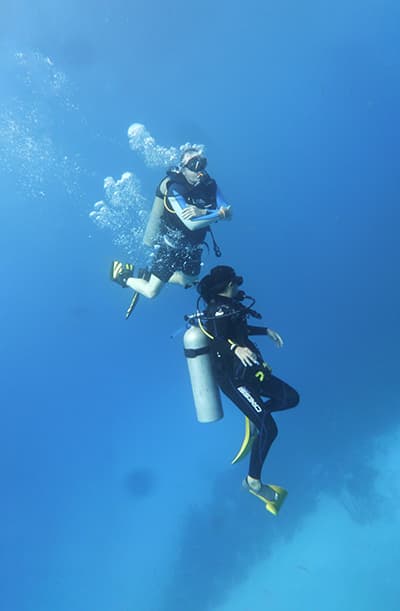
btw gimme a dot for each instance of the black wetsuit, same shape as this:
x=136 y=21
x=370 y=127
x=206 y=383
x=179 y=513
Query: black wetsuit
x=179 y=248
x=246 y=386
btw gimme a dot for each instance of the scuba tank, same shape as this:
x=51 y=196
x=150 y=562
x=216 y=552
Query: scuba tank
x=154 y=222
x=196 y=341
x=206 y=395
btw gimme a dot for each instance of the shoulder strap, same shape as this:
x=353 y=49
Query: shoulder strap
x=162 y=187
x=168 y=209
x=162 y=192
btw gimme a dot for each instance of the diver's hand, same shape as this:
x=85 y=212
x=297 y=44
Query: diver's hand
x=225 y=213
x=275 y=337
x=246 y=356
x=191 y=211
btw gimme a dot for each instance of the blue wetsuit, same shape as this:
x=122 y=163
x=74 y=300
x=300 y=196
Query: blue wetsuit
x=179 y=244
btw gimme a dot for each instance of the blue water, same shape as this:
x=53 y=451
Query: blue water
x=113 y=497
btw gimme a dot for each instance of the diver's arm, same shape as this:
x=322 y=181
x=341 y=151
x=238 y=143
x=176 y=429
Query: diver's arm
x=223 y=337
x=224 y=208
x=274 y=335
x=220 y=199
x=257 y=330
x=195 y=221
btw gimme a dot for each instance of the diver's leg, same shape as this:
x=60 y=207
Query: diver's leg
x=183 y=279
x=250 y=403
x=187 y=267
x=281 y=395
x=148 y=288
x=268 y=432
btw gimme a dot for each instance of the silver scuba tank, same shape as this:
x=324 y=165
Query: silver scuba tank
x=153 y=224
x=206 y=395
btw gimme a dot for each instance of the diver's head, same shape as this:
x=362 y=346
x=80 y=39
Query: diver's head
x=192 y=165
x=222 y=280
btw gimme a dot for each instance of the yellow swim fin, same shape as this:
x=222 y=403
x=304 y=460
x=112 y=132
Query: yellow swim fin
x=250 y=433
x=273 y=497
x=274 y=506
x=121 y=272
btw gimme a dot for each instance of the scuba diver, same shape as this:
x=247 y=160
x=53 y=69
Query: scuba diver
x=187 y=202
x=242 y=374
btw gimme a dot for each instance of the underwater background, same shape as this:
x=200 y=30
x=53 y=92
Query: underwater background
x=113 y=497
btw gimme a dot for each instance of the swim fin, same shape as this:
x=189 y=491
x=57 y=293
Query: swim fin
x=132 y=305
x=120 y=272
x=273 y=496
x=250 y=433
x=144 y=274
x=274 y=506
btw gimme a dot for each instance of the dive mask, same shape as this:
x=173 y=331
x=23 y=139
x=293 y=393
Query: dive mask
x=196 y=164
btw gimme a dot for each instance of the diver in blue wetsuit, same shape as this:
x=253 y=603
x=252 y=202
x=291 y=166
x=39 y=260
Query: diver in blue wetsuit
x=187 y=202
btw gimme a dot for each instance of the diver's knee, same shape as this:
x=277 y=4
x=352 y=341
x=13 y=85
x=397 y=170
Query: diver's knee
x=291 y=398
x=154 y=287
x=152 y=293
x=294 y=398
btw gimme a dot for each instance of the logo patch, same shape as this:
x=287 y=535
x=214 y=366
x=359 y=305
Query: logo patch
x=243 y=391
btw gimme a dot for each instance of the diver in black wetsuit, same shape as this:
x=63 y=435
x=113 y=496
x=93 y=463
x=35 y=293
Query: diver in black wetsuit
x=240 y=369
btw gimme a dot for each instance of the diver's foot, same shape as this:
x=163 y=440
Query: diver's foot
x=257 y=487
x=252 y=483
x=121 y=272
x=273 y=496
